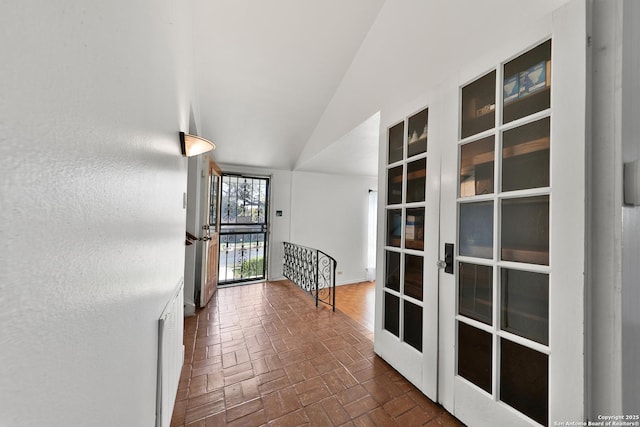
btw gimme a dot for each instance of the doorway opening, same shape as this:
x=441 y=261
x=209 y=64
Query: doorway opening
x=243 y=229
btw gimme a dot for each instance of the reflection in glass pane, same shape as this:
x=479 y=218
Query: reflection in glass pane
x=475 y=292
x=412 y=330
x=525 y=304
x=394 y=227
x=476 y=229
x=413 y=268
x=213 y=202
x=479 y=105
x=525 y=230
x=525 y=156
x=476 y=167
x=416 y=180
x=392 y=270
x=396 y=139
x=474 y=355
x=527 y=83
x=392 y=313
x=414 y=229
x=417 y=133
x=524 y=380
x=394 y=186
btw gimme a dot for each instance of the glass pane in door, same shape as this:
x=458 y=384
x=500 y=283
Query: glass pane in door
x=392 y=270
x=475 y=292
x=417 y=133
x=479 y=105
x=525 y=304
x=394 y=186
x=213 y=203
x=396 y=142
x=475 y=356
x=524 y=380
x=413 y=325
x=392 y=313
x=413 y=273
x=414 y=229
x=475 y=232
x=394 y=227
x=527 y=83
x=525 y=230
x=476 y=167
x=416 y=180
x=525 y=156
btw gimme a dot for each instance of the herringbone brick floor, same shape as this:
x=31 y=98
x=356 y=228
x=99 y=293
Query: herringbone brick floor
x=263 y=354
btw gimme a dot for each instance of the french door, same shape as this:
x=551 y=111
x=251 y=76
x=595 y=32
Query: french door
x=243 y=228
x=406 y=332
x=480 y=301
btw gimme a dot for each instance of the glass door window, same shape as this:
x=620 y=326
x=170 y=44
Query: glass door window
x=504 y=196
x=405 y=229
x=243 y=228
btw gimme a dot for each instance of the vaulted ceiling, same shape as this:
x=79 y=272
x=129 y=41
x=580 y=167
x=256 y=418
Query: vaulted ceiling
x=266 y=71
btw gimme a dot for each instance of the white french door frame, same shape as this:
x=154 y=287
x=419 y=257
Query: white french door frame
x=567 y=27
x=420 y=367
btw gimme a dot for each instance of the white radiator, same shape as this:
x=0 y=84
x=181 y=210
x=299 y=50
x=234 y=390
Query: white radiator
x=170 y=355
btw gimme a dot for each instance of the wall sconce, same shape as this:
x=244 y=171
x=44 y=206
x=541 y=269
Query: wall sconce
x=193 y=145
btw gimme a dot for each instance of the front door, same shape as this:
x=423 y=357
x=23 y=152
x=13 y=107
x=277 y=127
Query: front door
x=210 y=237
x=501 y=183
x=243 y=228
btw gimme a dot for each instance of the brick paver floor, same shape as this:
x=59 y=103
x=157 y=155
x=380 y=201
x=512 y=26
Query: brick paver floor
x=263 y=354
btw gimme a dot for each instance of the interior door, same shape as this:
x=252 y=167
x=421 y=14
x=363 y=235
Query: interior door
x=210 y=235
x=504 y=188
x=407 y=293
x=520 y=214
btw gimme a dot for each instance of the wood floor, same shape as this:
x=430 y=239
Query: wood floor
x=263 y=354
x=358 y=302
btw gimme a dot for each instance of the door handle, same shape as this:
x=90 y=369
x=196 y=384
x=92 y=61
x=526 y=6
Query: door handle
x=447 y=263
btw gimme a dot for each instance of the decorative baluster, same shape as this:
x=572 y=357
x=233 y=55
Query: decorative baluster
x=312 y=270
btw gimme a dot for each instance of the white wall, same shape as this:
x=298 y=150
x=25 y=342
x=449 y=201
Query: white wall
x=92 y=223
x=193 y=263
x=604 y=351
x=412 y=46
x=631 y=215
x=329 y=213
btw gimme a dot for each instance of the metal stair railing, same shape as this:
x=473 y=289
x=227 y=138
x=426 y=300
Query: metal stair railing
x=312 y=270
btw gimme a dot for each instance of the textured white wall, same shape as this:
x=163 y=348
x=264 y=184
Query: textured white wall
x=329 y=213
x=92 y=96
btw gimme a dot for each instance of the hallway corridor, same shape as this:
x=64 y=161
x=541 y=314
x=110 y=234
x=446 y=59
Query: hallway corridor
x=262 y=354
